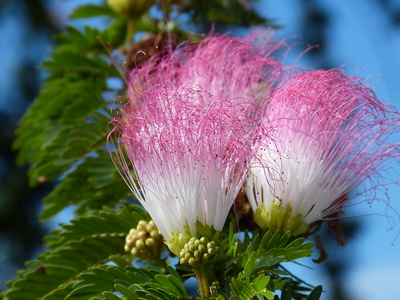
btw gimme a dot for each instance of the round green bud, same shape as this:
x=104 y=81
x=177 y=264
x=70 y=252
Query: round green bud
x=192 y=248
x=211 y=251
x=204 y=240
x=151 y=226
x=192 y=261
x=141 y=228
x=150 y=242
x=140 y=244
x=202 y=248
x=197 y=255
x=142 y=235
x=135 y=251
x=142 y=223
x=155 y=234
x=183 y=261
x=205 y=258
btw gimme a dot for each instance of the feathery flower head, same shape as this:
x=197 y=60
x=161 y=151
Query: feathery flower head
x=190 y=130
x=237 y=68
x=190 y=153
x=330 y=138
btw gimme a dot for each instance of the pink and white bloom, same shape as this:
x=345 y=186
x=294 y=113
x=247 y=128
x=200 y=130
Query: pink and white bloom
x=190 y=128
x=189 y=152
x=329 y=144
x=235 y=68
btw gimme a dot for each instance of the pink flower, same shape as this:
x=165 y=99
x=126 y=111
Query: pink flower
x=330 y=143
x=190 y=128
x=221 y=65
x=189 y=152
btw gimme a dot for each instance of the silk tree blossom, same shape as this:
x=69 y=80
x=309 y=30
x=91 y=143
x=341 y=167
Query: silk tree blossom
x=189 y=151
x=241 y=69
x=330 y=143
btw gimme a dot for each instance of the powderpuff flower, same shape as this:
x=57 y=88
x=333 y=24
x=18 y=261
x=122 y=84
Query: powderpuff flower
x=330 y=143
x=241 y=69
x=189 y=153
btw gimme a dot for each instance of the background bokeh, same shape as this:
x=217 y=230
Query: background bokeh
x=362 y=36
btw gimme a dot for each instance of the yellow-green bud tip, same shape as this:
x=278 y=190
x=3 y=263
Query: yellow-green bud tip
x=280 y=219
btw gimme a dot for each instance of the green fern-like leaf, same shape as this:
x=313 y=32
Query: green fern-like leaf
x=94 y=183
x=131 y=282
x=242 y=289
x=88 y=242
x=63 y=134
x=264 y=252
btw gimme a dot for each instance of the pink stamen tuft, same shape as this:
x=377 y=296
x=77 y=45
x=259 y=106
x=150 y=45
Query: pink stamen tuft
x=222 y=66
x=331 y=141
x=190 y=153
x=191 y=126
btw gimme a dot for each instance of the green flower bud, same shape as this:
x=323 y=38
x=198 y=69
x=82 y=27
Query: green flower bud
x=142 y=223
x=150 y=242
x=140 y=244
x=183 y=261
x=197 y=255
x=151 y=227
x=131 y=9
x=135 y=251
x=155 y=234
x=144 y=244
x=192 y=248
x=142 y=234
x=141 y=227
x=204 y=240
x=202 y=248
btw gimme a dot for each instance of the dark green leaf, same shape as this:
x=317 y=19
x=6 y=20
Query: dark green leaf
x=111 y=296
x=128 y=293
x=89 y=11
x=315 y=294
x=286 y=292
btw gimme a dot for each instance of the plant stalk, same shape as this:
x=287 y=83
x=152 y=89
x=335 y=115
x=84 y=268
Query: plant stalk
x=202 y=273
x=130 y=32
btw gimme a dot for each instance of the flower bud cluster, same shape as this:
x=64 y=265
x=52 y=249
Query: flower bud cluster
x=145 y=241
x=198 y=251
x=214 y=287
